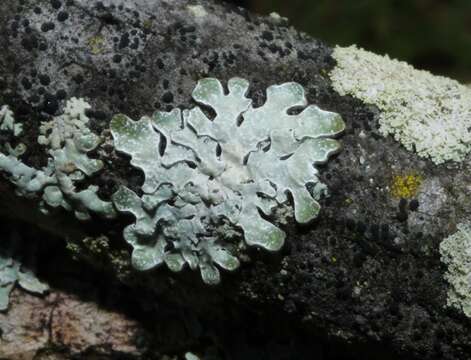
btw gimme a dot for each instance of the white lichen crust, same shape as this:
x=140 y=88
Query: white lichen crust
x=426 y=113
x=67 y=140
x=207 y=181
x=456 y=254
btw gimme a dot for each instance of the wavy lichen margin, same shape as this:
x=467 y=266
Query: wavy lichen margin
x=212 y=185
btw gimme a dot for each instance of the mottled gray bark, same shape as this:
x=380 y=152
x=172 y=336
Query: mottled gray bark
x=364 y=279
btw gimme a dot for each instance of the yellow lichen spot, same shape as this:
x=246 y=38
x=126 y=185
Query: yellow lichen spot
x=96 y=44
x=147 y=24
x=405 y=186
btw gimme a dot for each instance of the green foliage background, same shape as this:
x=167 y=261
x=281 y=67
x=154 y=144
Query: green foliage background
x=431 y=34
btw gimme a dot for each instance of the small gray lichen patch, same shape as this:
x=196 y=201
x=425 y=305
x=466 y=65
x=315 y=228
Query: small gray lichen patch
x=456 y=254
x=197 y=10
x=208 y=181
x=68 y=140
x=426 y=113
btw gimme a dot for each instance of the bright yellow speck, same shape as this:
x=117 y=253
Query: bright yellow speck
x=405 y=186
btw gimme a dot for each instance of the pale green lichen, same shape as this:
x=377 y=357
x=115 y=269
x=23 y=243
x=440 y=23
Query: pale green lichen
x=277 y=18
x=9 y=125
x=68 y=140
x=7 y=121
x=455 y=252
x=12 y=272
x=191 y=356
x=426 y=113
x=202 y=174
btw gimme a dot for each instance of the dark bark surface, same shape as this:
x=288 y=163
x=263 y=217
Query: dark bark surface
x=364 y=280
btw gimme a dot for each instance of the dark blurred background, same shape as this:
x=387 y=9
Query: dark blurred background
x=430 y=34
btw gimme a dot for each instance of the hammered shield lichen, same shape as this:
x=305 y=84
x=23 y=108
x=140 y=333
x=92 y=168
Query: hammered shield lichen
x=212 y=185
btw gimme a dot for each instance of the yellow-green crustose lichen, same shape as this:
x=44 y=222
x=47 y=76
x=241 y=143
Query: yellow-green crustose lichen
x=96 y=44
x=426 y=113
x=203 y=175
x=456 y=254
x=406 y=186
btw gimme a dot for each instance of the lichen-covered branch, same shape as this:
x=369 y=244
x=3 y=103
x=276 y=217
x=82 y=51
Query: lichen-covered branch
x=212 y=170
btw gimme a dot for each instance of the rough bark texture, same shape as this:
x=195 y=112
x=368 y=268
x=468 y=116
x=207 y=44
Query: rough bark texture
x=365 y=279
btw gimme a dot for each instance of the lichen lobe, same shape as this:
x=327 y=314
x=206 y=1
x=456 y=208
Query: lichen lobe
x=212 y=185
